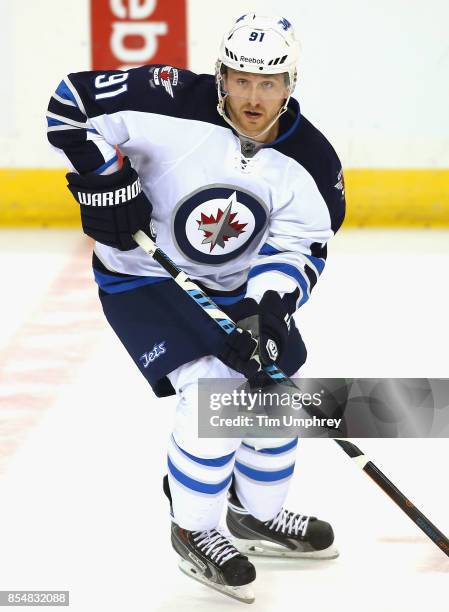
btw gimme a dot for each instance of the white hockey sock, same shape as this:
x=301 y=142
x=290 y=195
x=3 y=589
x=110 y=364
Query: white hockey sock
x=198 y=487
x=262 y=477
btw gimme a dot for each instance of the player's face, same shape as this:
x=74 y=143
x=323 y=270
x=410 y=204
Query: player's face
x=254 y=100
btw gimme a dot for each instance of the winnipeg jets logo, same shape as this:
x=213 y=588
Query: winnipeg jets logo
x=167 y=77
x=217 y=223
x=219 y=229
x=340 y=183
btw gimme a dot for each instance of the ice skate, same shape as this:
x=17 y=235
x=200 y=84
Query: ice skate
x=286 y=535
x=210 y=558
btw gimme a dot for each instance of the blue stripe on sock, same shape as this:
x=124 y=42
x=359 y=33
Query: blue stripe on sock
x=263 y=476
x=274 y=451
x=196 y=485
x=216 y=462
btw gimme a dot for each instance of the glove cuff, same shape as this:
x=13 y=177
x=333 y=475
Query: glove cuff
x=105 y=191
x=247 y=307
x=103 y=181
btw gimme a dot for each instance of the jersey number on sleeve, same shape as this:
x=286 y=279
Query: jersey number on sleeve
x=104 y=81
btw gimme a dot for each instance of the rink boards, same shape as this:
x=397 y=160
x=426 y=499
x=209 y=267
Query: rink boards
x=375 y=198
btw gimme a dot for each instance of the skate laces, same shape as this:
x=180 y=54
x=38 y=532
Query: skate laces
x=290 y=523
x=215 y=546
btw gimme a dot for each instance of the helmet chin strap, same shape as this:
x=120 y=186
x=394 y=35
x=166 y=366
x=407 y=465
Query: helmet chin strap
x=222 y=111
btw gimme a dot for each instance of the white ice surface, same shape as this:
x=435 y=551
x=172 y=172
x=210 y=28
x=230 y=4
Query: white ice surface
x=81 y=506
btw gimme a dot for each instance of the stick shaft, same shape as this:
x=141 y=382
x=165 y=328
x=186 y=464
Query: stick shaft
x=395 y=494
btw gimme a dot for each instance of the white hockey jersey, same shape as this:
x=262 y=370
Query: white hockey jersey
x=236 y=224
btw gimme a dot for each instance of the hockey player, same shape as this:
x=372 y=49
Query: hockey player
x=243 y=193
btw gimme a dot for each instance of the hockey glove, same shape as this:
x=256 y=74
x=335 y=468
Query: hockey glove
x=268 y=321
x=238 y=352
x=113 y=206
x=274 y=319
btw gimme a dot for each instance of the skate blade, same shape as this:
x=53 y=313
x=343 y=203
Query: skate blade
x=243 y=593
x=264 y=548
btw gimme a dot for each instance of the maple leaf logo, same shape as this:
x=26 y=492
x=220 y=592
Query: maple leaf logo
x=165 y=75
x=219 y=229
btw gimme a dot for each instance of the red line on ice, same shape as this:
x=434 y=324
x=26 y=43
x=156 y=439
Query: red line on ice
x=45 y=354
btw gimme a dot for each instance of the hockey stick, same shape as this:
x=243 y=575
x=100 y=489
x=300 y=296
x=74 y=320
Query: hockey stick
x=211 y=309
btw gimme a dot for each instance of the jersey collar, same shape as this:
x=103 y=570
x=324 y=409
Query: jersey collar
x=288 y=123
